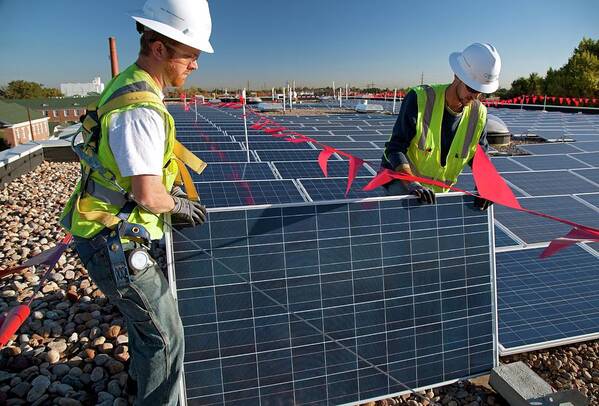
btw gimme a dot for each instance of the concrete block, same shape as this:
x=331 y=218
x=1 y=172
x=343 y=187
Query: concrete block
x=518 y=384
x=521 y=386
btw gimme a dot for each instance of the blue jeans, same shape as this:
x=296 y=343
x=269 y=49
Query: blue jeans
x=156 y=339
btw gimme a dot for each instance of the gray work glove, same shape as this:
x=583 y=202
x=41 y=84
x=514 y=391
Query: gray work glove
x=176 y=191
x=481 y=203
x=425 y=195
x=189 y=212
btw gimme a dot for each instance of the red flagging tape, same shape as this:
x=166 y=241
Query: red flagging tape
x=323 y=159
x=574 y=236
x=489 y=183
x=354 y=166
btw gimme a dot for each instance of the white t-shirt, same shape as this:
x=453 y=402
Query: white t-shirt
x=137 y=138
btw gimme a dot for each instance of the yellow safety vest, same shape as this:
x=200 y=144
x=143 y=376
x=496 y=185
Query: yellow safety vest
x=424 y=152
x=85 y=214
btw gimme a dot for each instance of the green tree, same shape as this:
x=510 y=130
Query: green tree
x=22 y=89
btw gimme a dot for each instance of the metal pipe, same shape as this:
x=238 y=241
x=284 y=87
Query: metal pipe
x=114 y=57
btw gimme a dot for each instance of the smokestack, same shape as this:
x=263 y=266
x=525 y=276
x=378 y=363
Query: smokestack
x=114 y=57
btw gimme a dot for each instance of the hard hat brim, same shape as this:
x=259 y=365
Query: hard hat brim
x=455 y=61
x=176 y=35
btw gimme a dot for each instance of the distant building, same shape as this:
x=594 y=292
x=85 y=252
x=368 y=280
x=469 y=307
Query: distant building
x=60 y=109
x=16 y=128
x=82 y=89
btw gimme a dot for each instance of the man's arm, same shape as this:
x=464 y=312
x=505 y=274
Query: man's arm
x=149 y=191
x=396 y=148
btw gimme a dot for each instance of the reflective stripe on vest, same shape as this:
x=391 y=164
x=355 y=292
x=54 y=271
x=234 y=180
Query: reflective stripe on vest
x=428 y=114
x=473 y=120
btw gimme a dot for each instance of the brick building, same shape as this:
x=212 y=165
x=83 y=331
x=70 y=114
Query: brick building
x=59 y=109
x=16 y=127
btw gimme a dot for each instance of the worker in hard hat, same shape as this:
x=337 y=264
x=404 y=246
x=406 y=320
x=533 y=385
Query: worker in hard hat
x=117 y=210
x=439 y=126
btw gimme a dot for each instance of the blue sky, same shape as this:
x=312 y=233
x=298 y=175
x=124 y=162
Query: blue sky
x=314 y=42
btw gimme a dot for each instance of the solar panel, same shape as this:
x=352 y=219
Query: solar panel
x=466 y=182
x=235 y=171
x=213 y=146
x=223 y=156
x=289 y=155
x=365 y=154
x=590 y=174
x=502 y=239
x=589 y=146
x=351 y=144
x=248 y=193
x=549 y=149
x=185 y=139
x=546 y=302
x=534 y=229
x=548 y=162
x=311 y=169
x=507 y=165
x=591 y=198
x=550 y=183
x=591 y=158
x=280 y=145
x=334 y=189
x=336 y=289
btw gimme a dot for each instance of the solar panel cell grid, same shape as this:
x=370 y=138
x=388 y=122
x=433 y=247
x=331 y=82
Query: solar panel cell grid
x=533 y=229
x=311 y=169
x=550 y=183
x=548 y=162
x=333 y=295
x=542 y=301
x=247 y=193
x=234 y=171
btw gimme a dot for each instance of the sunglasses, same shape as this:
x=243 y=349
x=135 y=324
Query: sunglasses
x=179 y=54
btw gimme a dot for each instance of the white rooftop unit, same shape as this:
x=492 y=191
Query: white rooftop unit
x=369 y=108
x=270 y=107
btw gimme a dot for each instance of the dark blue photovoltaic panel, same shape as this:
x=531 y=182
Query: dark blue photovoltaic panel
x=549 y=149
x=213 y=146
x=550 y=183
x=549 y=299
x=334 y=189
x=248 y=193
x=234 y=171
x=365 y=154
x=311 y=169
x=507 y=165
x=532 y=229
x=185 y=139
x=548 y=162
x=502 y=239
x=590 y=146
x=466 y=182
x=289 y=155
x=592 y=199
x=351 y=145
x=280 y=144
x=406 y=287
x=223 y=156
x=591 y=158
x=590 y=174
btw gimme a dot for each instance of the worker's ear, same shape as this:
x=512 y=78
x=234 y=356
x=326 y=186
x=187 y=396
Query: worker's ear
x=159 y=50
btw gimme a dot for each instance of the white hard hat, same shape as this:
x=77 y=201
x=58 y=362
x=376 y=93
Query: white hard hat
x=477 y=66
x=185 y=21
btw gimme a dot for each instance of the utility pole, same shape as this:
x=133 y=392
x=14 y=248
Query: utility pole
x=422 y=78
